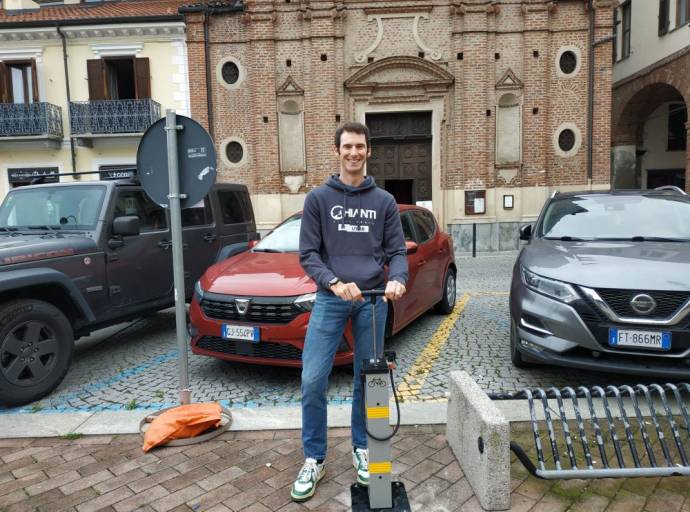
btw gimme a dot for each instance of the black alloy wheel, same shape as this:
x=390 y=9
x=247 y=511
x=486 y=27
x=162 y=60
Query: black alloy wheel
x=36 y=346
x=447 y=302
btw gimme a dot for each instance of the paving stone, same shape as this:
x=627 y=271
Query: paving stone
x=104 y=500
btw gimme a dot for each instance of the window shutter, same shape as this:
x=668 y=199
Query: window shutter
x=5 y=85
x=34 y=81
x=663 y=17
x=95 y=69
x=142 y=78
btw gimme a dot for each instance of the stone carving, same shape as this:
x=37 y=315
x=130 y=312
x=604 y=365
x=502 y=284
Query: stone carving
x=433 y=53
x=392 y=70
x=509 y=81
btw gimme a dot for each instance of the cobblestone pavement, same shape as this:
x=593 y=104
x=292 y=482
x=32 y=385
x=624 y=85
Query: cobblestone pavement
x=136 y=367
x=253 y=472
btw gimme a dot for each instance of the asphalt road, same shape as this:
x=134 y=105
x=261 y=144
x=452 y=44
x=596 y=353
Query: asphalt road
x=134 y=366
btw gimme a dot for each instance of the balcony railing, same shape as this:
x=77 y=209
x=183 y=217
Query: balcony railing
x=103 y=117
x=32 y=119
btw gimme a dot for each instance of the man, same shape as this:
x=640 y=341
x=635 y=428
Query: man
x=350 y=230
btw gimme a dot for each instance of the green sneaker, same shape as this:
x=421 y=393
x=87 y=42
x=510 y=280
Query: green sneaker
x=360 y=460
x=305 y=485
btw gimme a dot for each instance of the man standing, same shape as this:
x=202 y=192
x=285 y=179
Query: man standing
x=350 y=230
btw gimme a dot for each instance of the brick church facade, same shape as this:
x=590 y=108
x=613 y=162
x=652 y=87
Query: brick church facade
x=478 y=109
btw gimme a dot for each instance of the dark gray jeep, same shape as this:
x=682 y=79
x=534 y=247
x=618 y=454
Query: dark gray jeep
x=75 y=257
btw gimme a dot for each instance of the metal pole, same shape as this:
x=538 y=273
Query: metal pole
x=174 y=197
x=474 y=240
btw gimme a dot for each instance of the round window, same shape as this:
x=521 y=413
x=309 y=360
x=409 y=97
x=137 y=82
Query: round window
x=234 y=152
x=566 y=140
x=568 y=62
x=230 y=72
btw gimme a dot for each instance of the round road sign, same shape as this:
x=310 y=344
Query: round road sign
x=196 y=157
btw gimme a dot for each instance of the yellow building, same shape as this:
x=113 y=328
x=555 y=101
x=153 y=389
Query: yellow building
x=80 y=81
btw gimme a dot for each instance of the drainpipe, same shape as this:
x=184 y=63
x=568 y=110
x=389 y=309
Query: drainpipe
x=207 y=64
x=69 y=98
x=590 y=94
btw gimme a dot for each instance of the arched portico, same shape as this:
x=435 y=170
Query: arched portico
x=650 y=135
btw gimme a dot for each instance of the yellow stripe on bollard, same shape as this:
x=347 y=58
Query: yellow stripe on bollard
x=377 y=413
x=378 y=468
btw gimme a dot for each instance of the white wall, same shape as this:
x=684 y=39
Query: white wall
x=646 y=47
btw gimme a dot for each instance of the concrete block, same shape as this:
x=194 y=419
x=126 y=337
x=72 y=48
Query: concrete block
x=509 y=236
x=479 y=436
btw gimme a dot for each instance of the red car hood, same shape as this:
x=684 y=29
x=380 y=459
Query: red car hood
x=258 y=274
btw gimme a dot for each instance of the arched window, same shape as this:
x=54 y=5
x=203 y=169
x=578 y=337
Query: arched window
x=509 y=130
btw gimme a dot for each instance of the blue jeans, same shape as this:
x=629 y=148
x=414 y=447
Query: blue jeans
x=325 y=331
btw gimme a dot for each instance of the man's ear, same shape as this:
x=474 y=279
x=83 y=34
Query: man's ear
x=336 y=150
x=368 y=151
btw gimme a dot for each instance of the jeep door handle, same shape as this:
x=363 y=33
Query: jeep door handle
x=209 y=237
x=421 y=262
x=165 y=244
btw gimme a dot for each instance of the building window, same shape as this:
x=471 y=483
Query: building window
x=682 y=12
x=119 y=78
x=677 y=134
x=508 y=130
x=663 y=17
x=625 y=36
x=18 y=82
x=233 y=152
x=567 y=62
x=567 y=140
x=230 y=73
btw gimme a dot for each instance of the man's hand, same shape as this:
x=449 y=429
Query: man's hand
x=394 y=290
x=347 y=291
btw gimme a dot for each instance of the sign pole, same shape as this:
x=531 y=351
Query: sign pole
x=174 y=197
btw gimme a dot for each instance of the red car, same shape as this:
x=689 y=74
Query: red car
x=254 y=307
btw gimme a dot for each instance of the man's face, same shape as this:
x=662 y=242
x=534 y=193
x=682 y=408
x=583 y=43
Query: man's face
x=352 y=153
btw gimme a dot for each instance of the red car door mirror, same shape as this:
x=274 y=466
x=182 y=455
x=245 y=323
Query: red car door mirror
x=411 y=247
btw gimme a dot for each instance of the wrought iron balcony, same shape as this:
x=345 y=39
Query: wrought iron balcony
x=110 y=117
x=30 y=120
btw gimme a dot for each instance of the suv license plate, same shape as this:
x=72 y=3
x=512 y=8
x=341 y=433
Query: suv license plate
x=660 y=340
x=240 y=332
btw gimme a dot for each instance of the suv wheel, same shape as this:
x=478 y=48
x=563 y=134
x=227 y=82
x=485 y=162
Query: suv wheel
x=36 y=346
x=515 y=354
x=447 y=302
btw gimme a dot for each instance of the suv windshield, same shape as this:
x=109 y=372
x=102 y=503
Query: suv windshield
x=284 y=238
x=46 y=208
x=618 y=217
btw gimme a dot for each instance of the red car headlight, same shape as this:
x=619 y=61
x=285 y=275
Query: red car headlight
x=305 y=302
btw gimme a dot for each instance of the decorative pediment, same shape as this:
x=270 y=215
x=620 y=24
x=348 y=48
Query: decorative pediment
x=399 y=72
x=509 y=81
x=289 y=88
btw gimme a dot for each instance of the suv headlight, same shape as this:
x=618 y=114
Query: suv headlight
x=549 y=287
x=305 y=302
x=198 y=291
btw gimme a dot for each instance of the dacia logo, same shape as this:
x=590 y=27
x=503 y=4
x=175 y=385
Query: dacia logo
x=242 y=306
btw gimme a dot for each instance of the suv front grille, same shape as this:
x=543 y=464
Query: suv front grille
x=246 y=348
x=269 y=310
x=667 y=303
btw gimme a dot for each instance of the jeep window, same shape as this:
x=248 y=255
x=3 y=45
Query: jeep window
x=197 y=215
x=66 y=208
x=618 y=217
x=284 y=238
x=425 y=224
x=235 y=206
x=136 y=202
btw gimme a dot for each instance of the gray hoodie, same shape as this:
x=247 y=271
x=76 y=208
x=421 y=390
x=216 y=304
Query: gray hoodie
x=351 y=233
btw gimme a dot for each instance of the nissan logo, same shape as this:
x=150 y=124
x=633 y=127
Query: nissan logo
x=643 y=304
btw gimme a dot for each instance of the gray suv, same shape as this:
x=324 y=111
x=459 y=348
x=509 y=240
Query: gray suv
x=604 y=284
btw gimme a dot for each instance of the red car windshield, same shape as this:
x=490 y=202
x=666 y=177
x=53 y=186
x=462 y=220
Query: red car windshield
x=284 y=238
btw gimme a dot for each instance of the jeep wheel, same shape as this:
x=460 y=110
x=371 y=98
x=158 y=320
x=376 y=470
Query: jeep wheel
x=36 y=346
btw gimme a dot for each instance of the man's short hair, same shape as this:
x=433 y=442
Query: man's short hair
x=352 y=127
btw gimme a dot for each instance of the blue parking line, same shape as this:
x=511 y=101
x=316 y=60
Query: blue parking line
x=57 y=404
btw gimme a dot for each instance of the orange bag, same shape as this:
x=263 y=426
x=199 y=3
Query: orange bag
x=181 y=422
